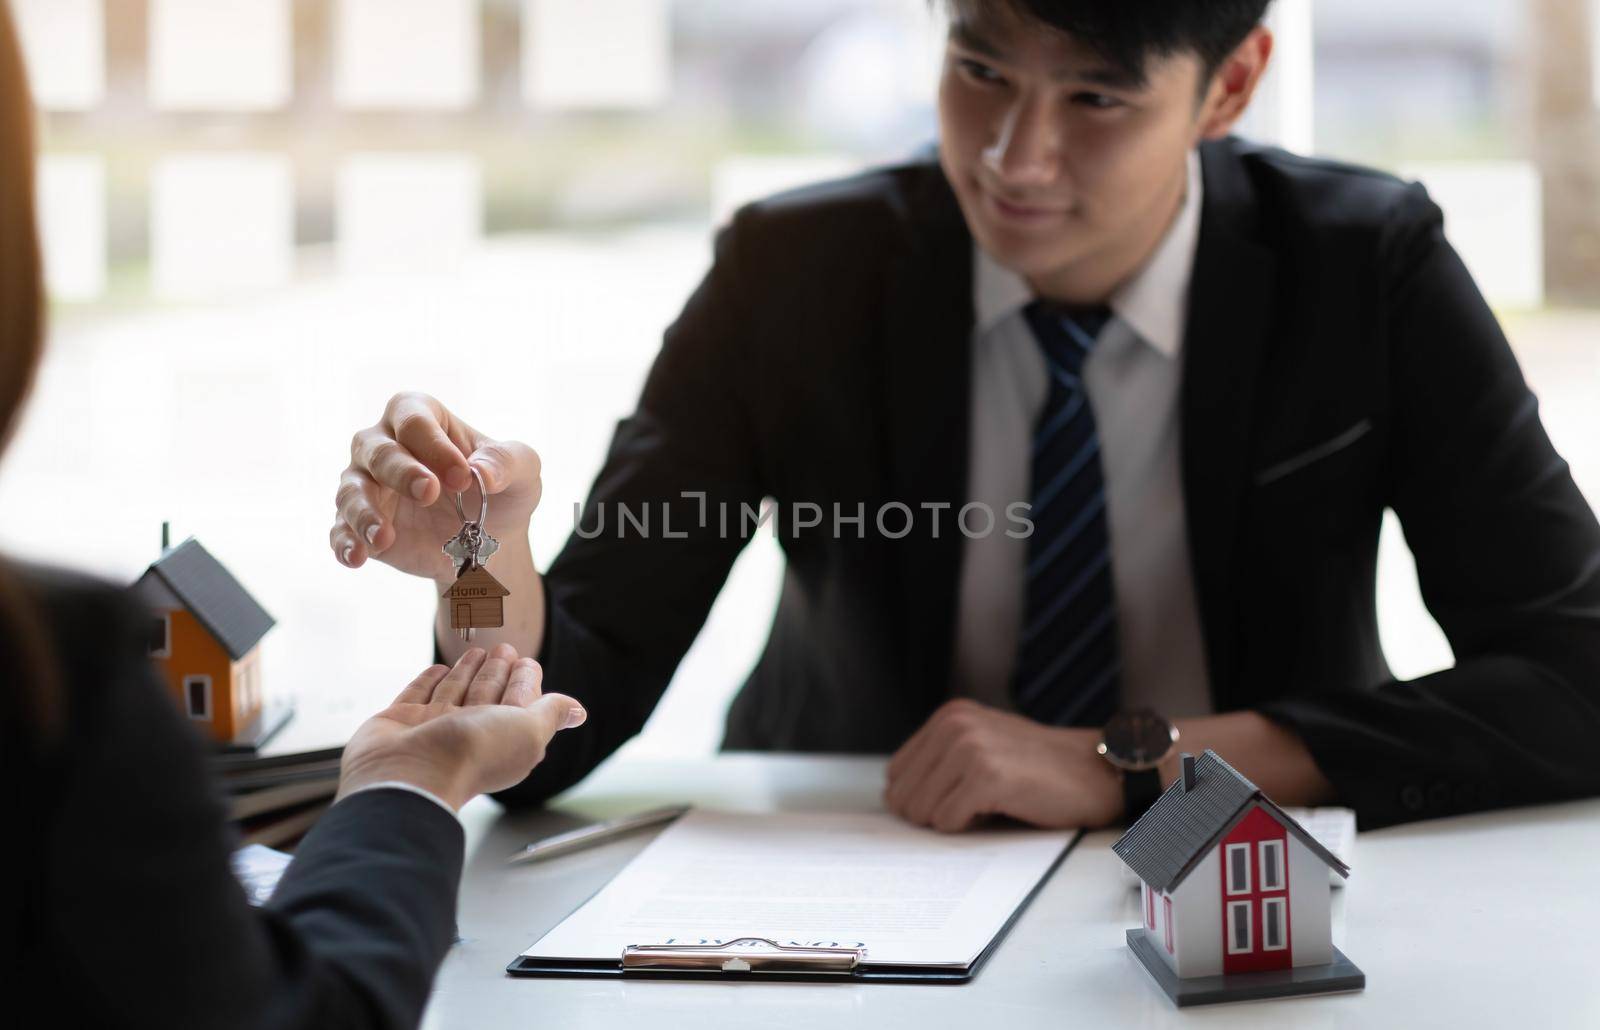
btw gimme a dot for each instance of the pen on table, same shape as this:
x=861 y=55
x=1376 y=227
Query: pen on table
x=596 y=833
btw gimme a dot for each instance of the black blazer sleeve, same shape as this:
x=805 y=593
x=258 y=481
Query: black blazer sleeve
x=1508 y=557
x=137 y=916
x=658 y=534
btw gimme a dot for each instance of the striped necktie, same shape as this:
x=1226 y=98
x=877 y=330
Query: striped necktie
x=1068 y=665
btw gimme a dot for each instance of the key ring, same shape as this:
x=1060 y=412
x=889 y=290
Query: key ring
x=476 y=600
x=483 y=509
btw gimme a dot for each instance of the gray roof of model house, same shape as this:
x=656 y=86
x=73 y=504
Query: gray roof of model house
x=190 y=577
x=1166 y=843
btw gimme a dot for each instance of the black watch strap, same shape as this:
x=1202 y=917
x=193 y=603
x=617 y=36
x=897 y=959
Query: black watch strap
x=1139 y=792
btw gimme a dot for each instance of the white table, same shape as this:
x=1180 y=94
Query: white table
x=1490 y=921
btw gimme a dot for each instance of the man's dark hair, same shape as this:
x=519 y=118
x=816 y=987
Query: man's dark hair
x=1130 y=32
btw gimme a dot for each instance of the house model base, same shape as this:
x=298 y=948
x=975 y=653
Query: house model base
x=1339 y=975
x=273 y=717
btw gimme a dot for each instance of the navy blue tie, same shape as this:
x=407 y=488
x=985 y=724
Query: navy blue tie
x=1068 y=665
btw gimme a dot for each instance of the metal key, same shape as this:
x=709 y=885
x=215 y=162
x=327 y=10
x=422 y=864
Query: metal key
x=468 y=550
x=470 y=547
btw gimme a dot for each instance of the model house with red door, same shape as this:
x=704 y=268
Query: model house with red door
x=1235 y=894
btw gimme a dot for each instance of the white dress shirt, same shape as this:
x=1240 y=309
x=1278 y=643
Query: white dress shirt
x=1132 y=378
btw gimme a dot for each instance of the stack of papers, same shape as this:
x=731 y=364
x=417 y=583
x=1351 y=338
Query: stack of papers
x=909 y=896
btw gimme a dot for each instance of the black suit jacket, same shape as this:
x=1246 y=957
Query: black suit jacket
x=122 y=910
x=1338 y=361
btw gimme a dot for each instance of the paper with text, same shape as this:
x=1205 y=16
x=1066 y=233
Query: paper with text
x=909 y=896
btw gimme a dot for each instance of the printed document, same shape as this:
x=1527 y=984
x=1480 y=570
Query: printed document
x=910 y=896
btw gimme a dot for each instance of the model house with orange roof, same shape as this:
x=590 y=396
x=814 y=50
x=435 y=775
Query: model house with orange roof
x=205 y=636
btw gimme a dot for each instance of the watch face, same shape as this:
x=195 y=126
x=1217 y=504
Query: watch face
x=1138 y=739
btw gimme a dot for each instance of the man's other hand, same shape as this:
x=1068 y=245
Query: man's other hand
x=969 y=761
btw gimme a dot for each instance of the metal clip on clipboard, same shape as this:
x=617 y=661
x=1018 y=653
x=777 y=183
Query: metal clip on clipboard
x=745 y=955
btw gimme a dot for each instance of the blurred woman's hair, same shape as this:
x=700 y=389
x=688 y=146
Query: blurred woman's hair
x=25 y=649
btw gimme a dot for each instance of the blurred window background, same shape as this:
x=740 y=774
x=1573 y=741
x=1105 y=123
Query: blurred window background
x=263 y=217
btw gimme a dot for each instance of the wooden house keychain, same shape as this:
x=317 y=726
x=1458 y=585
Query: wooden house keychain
x=477 y=600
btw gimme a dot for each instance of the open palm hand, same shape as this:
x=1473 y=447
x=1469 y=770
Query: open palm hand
x=458 y=732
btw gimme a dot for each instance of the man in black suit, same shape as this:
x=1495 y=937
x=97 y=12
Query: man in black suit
x=1100 y=409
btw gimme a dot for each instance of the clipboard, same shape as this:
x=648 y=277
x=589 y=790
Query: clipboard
x=762 y=960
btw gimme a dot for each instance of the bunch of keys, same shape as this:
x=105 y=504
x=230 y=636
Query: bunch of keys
x=477 y=600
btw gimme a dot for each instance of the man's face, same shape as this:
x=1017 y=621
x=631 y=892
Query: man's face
x=1068 y=171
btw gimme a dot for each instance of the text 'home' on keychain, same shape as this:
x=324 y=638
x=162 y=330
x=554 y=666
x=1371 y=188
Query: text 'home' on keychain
x=477 y=600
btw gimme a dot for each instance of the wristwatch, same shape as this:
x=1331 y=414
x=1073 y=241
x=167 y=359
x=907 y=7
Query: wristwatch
x=1137 y=741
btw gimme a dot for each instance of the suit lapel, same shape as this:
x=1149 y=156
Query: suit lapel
x=928 y=318
x=1230 y=300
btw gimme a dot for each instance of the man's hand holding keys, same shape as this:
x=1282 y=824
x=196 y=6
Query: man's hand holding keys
x=396 y=504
